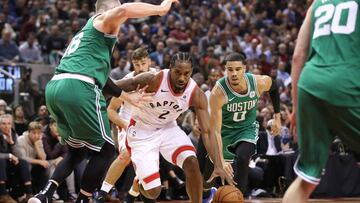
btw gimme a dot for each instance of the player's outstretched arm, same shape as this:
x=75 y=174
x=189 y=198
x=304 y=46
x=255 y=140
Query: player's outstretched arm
x=139 y=81
x=217 y=100
x=210 y=140
x=141 y=87
x=111 y=19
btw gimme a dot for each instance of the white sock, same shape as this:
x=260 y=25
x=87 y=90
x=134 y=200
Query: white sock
x=133 y=193
x=106 y=187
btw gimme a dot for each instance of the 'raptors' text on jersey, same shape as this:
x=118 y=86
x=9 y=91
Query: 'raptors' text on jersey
x=166 y=106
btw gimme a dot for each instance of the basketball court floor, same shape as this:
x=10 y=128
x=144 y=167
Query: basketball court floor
x=277 y=200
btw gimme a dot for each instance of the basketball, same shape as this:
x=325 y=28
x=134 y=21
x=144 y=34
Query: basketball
x=228 y=194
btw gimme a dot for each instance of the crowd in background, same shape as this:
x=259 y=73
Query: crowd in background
x=38 y=31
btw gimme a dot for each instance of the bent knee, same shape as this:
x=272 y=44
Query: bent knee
x=153 y=193
x=124 y=157
x=191 y=165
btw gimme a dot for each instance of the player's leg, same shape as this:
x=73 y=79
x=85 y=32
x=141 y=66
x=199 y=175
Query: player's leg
x=98 y=126
x=76 y=153
x=180 y=151
x=64 y=168
x=95 y=169
x=244 y=151
x=143 y=146
x=118 y=166
x=240 y=145
x=194 y=184
x=314 y=139
x=115 y=171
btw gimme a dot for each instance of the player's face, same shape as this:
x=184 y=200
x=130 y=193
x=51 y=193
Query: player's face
x=180 y=75
x=141 y=65
x=235 y=71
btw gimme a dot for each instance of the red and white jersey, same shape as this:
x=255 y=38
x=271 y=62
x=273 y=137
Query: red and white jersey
x=166 y=106
x=126 y=109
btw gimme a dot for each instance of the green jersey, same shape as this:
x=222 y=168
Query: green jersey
x=240 y=109
x=332 y=71
x=89 y=54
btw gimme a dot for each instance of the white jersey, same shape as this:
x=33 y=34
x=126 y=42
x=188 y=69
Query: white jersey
x=126 y=109
x=166 y=106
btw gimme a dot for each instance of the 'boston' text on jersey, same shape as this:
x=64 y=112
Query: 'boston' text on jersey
x=241 y=106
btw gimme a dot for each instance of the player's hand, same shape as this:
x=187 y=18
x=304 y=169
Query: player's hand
x=166 y=5
x=276 y=125
x=138 y=97
x=228 y=168
x=222 y=173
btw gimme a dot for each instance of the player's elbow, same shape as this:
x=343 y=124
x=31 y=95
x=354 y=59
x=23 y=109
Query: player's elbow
x=111 y=114
x=298 y=58
x=120 y=12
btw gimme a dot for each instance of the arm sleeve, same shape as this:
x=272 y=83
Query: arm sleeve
x=111 y=89
x=275 y=97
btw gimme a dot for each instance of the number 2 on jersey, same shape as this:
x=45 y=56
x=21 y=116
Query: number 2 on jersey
x=328 y=19
x=74 y=44
x=162 y=116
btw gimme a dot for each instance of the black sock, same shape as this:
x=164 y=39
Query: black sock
x=82 y=198
x=49 y=189
x=2 y=189
x=28 y=189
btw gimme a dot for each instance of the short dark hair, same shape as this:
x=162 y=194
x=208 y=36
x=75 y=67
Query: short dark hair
x=140 y=53
x=235 y=57
x=183 y=57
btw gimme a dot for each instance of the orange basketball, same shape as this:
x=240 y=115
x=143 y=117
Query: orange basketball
x=228 y=194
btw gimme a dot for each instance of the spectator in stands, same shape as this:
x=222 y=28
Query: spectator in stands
x=29 y=50
x=43 y=115
x=3 y=106
x=20 y=122
x=281 y=73
x=158 y=55
x=179 y=35
x=30 y=148
x=54 y=45
x=268 y=144
x=11 y=164
x=9 y=52
x=120 y=70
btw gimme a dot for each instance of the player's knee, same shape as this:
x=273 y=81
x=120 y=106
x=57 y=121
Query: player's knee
x=191 y=166
x=124 y=157
x=153 y=193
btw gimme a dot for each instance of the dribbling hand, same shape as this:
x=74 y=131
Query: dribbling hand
x=224 y=175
